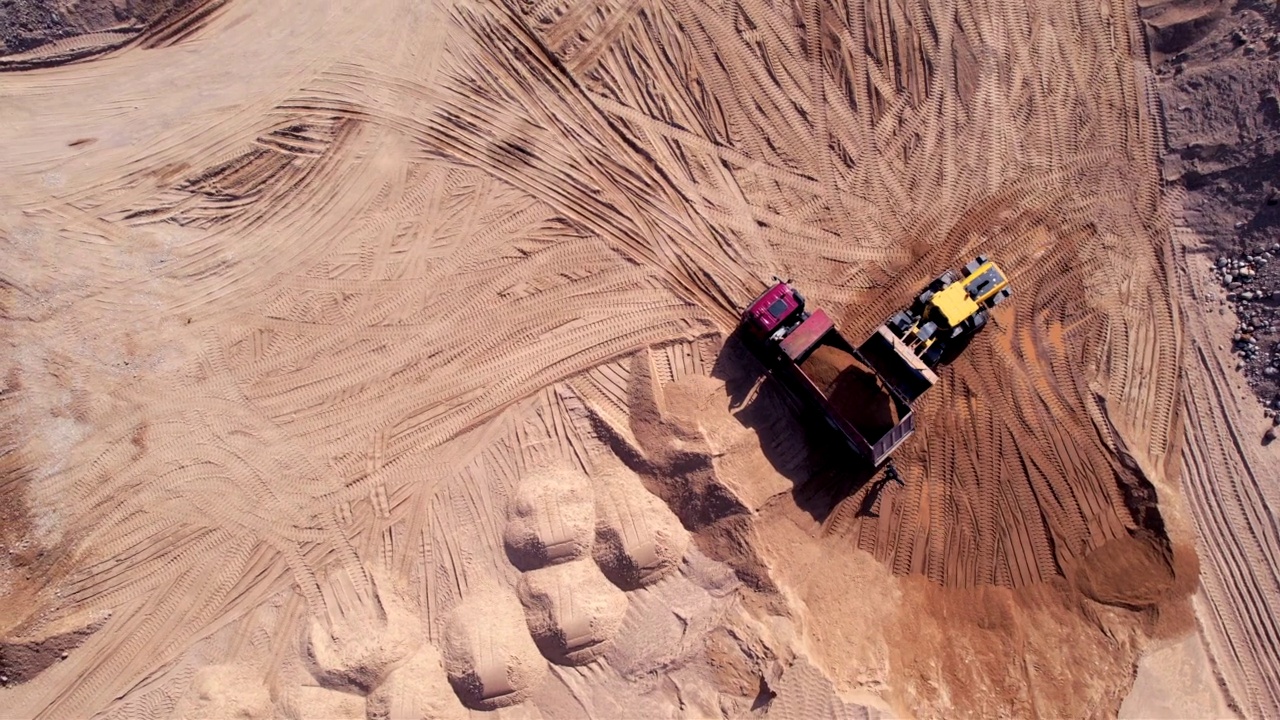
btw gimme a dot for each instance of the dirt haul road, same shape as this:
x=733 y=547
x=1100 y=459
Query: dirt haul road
x=373 y=362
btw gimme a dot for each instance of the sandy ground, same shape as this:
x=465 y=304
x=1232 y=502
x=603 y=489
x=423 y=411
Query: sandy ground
x=1216 y=64
x=377 y=362
x=1175 y=681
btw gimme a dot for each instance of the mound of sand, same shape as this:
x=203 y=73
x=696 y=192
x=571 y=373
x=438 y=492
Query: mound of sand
x=1131 y=572
x=572 y=610
x=638 y=539
x=225 y=691
x=27 y=655
x=686 y=405
x=360 y=642
x=853 y=389
x=551 y=519
x=416 y=690
x=489 y=658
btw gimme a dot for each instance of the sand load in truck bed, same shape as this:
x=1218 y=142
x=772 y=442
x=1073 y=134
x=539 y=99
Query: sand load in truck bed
x=853 y=389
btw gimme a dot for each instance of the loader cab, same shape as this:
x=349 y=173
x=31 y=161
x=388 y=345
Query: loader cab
x=950 y=310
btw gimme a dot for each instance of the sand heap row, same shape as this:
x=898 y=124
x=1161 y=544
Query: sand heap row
x=580 y=545
x=571 y=609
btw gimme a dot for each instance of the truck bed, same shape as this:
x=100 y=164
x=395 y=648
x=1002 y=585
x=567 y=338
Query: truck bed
x=853 y=390
x=897 y=364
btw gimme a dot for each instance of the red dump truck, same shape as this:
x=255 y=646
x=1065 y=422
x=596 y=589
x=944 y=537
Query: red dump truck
x=864 y=391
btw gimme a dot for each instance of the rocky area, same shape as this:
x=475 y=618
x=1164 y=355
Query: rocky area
x=28 y=25
x=1218 y=70
x=1252 y=285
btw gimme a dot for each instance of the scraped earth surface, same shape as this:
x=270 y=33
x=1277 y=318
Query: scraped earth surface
x=378 y=361
x=1217 y=74
x=43 y=33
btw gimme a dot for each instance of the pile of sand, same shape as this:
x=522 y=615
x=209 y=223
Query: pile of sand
x=853 y=389
x=686 y=407
x=638 y=539
x=225 y=691
x=489 y=657
x=1132 y=572
x=572 y=610
x=357 y=645
x=416 y=690
x=551 y=519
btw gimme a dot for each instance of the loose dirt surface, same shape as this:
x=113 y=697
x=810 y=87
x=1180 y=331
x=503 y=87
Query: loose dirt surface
x=41 y=33
x=1216 y=64
x=378 y=360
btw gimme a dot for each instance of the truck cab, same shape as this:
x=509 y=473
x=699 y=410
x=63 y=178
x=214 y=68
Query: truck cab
x=777 y=309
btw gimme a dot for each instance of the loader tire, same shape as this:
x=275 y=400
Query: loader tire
x=921 y=302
